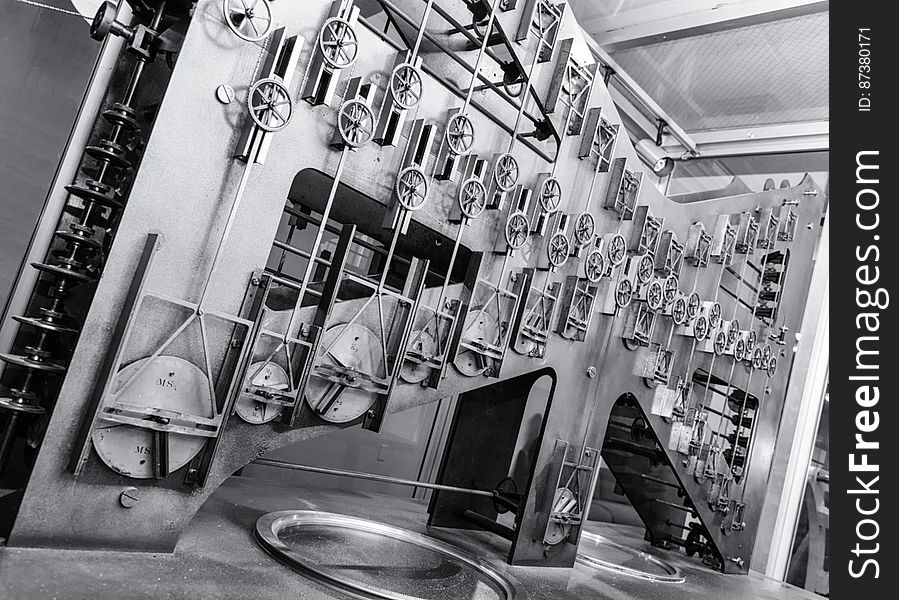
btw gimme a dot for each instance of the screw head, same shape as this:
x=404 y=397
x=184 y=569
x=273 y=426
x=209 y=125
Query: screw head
x=225 y=94
x=129 y=497
x=591 y=372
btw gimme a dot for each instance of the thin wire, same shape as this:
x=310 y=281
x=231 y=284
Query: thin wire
x=73 y=13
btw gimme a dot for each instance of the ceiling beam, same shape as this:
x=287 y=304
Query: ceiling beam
x=676 y=19
x=768 y=139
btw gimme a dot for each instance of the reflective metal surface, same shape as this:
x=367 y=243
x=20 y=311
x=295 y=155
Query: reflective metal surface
x=601 y=552
x=372 y=560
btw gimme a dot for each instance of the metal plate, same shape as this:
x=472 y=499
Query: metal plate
x=600 y=552
x=269 y=375
x=372 y=560
x=168 y=383
x=479 y=326
x=423 y=344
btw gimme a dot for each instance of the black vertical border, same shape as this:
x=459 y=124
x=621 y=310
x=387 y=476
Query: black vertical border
x=854 y=131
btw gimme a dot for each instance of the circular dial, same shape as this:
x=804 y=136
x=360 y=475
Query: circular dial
x=564 y=503
x=720 y=343
x=679 y=310
x=671 y=288
x=693 y=304
x=264 y=374
x=459 y=134
x=423 y=344
x=714 y=315
x=655 y=295
x=356 y=123
x=412 y=188
x=472 y=198
x=617 y=250
x=250 y=20
x=584 y=228
x=645 y=269
x=338 y=44
x=482 y=327
x=354 y=347
x=270 y=105
x=624 y=293
x=516 y=230
x=758 y=358
x=168 y=383
x=594 y=266
x=506 y=172
x=550 y=195
x=557 y=249
x=406 y=86
x=701 y=328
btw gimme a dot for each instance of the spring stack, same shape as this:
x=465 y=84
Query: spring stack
x=45 y=339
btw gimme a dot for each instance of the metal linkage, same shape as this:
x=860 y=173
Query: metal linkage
x=45 y=338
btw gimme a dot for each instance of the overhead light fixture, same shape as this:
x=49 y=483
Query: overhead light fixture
x=651 y=153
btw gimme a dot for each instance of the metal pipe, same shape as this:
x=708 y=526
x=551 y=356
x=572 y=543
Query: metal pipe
x=280 y=464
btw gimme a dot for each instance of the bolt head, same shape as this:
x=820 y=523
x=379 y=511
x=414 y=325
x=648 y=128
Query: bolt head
x=591 y=372
x=225 y=94
x=129 y=497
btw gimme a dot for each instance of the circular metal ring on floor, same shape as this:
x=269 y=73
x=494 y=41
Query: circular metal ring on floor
x=594 y=546
x=349 y=554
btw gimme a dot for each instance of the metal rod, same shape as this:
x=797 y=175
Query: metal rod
x=280 y=464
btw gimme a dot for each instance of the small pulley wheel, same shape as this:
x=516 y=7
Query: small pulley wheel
x=772 y=366
x=655 y=295
x=733 y=330
x=715 y=316
x=459 y=134
x=250 y=20
x=550 y=195
x=412 y=188
x=751 y=340
x=766 y=353
x=406 y=86
x=506 y=172
x=270 y=105
x=679 y=310
x=720 y=343
x=103 y=20
x=624 y=293
x=701 y=328
x=506 y=486
x=338 y=44
x=472 y=198
x=557 y=249
x=617 y=250
x=758 y=360
x=693 y=304
x=740 y=350
x=645 y=269
x=671 y=288
x=516 y=230
x=584 y=228
x=594 y=266
x=356 y=123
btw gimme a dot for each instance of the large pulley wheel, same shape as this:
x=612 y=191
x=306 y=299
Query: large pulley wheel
x=557 y=249
x=472 y=198
x=270 y=105
x=624 y=293
x=550 y=195
x=250 y=20
x=617 y=250
x=558 y=528
x=412 y=188
x=422 y=344
x=356 y=123
x=166 y=383
x=338 y=44
x=355 y=348
x=584 y=228
x=406 y=86
x=459 y=134
x=645 y=269
x=480 y=327
x=516 y=230
x=594 y=266
x=264 y=375
x=506 y=172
